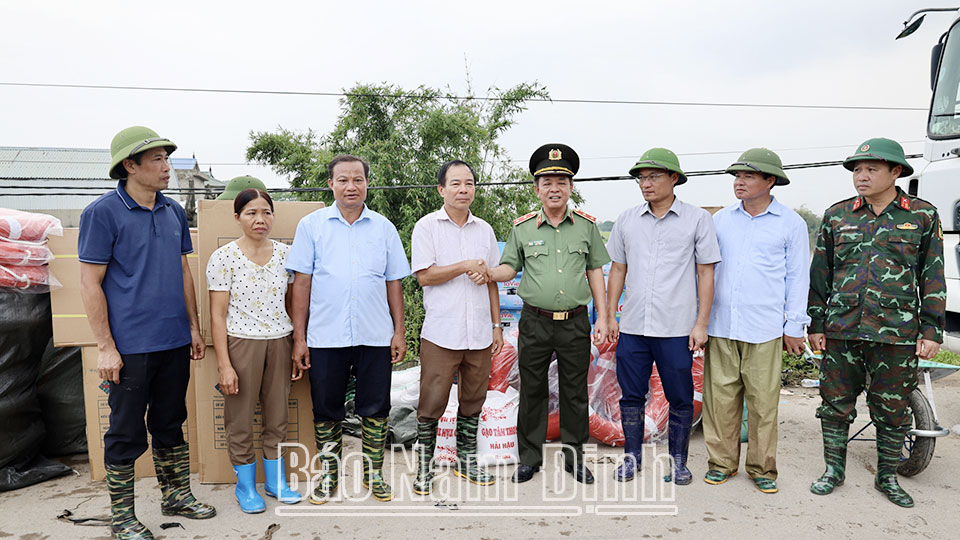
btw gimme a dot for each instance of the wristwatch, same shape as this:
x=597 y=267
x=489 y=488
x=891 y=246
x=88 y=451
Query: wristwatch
x=497 y=325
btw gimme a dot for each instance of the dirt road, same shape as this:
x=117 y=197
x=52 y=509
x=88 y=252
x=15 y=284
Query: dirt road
x=733 y=510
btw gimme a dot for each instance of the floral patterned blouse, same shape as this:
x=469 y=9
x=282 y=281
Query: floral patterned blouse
x=256 y=309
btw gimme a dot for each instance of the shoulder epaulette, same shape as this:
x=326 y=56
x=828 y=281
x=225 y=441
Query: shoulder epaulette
x=523 y=218
x=904 y=202
x=585 y=215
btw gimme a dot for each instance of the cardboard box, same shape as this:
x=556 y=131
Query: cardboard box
x=95 y=395
x=70 y=327
x=218 y=227
x=215 y=466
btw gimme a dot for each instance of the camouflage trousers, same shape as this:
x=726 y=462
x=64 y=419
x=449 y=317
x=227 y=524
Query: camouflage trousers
x=888 y=372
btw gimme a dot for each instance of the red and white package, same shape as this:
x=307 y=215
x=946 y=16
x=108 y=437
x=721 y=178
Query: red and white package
x=16 y=253
x=504 y=370
x=28 y=226
x=497 y=432
x=27 y=278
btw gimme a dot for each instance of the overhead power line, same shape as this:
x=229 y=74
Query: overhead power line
x=462 y=98
x=582 y=158
x=197 y=191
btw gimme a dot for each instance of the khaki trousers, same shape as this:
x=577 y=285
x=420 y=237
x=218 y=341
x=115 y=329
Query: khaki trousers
x=263 y=369
x=437 y=368
x=734 y=370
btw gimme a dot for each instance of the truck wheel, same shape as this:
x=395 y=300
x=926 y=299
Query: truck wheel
x=918 y=451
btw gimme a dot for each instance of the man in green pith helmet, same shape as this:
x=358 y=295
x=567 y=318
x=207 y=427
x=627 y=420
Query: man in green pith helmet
x=138 y=293
x=877 y=303
x=555 y=246
x=239 y=184
x=759 y=309
x=664 y=251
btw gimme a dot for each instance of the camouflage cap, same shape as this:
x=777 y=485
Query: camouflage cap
x=883 y=149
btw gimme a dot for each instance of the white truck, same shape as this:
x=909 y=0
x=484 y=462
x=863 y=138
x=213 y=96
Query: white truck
x=936 y=180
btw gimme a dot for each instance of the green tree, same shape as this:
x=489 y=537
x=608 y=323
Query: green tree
x=406 y=135
x=813 y=223
x=605 y=226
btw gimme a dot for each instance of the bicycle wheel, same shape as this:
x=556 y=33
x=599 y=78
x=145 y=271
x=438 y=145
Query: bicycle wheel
x=918 y=451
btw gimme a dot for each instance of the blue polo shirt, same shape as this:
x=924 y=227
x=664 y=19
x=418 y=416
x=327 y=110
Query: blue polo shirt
x=142 y=249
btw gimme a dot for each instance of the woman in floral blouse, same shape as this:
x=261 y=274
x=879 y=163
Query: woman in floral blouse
x=252 y=336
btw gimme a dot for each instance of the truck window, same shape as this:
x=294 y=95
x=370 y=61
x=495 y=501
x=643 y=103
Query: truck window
x=945 y=110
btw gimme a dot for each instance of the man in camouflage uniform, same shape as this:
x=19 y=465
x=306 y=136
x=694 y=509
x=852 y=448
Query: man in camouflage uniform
x=877 y=301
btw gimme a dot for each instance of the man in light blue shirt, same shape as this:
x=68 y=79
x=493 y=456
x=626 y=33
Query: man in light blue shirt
x=349 y=262
x=759 y=308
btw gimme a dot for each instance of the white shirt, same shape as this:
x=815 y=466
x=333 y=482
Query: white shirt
x=458 y=311
x=256 y=309
x=661 y=255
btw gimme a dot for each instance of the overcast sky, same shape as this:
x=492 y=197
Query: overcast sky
x=815 y=52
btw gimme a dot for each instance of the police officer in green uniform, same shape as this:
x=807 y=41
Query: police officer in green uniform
x=877 y=302
x=554 y=247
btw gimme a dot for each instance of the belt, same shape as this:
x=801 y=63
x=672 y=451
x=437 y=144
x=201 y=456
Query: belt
x=555 y=315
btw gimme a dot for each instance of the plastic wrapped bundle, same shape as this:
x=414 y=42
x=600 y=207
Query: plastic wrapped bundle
x=27 y=226
x=36 y=279
x=504 y=371
x=17 y=253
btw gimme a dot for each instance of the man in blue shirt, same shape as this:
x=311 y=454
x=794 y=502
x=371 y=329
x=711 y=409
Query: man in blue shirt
x=759 y=308
x=138 y=293
x=349 y=262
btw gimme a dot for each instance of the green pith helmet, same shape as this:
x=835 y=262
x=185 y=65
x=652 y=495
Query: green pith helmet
x=659 y=158
x=761 y=160
x=238 y=184
x=131 y=141
x=882 y=149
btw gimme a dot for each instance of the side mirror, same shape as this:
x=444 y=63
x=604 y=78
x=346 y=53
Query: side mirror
x=909 y=29
x=935 y=55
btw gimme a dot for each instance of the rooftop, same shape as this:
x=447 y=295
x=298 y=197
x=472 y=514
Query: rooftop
x=54 y=163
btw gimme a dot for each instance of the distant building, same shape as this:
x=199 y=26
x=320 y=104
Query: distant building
x=191 y=177
x=63 y=181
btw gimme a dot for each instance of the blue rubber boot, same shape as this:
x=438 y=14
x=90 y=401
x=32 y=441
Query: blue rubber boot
x=250 y=501
x=631 y=418
x=276 y=484
x=679 y=443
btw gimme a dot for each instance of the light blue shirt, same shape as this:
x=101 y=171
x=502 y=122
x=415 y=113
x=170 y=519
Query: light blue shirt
x=350 y=265
x=761 y=285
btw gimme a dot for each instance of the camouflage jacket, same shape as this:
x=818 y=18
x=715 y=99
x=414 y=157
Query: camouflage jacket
x=879 y=278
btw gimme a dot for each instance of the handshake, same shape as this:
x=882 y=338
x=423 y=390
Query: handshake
x=478 y=271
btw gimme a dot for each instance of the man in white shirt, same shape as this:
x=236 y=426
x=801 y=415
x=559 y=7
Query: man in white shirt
x=461 y=329
x=760 y=300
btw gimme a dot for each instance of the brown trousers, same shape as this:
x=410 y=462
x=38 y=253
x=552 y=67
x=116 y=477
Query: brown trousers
x=734 y=371
x=263 y=369
x=437 y=368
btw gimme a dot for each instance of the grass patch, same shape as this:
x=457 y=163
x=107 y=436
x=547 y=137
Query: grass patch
x=947 y=357
x=796 y=368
